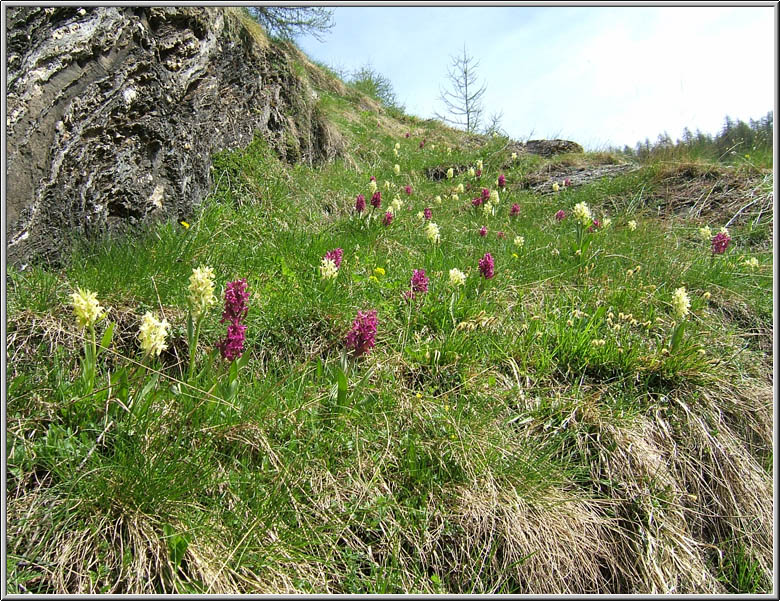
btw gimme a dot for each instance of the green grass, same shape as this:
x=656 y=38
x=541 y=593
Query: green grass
x=483 y=440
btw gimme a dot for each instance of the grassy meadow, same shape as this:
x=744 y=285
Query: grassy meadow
x=567 y=425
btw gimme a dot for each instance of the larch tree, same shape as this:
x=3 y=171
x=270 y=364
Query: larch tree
x=464 y=99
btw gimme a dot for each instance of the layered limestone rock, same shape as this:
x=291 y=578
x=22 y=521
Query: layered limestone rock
x=547 y=147
x=115 y=112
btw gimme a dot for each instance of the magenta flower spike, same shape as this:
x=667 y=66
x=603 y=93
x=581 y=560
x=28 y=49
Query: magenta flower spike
x=236 y=309
x=335 y=255
x=232 y=346
x=408 y=190
x=427 y=213
x=515 y=210
x=720 y=242
x=388 y=218
x=376 y=199
x=486 y=266
x=483 y=231
x=360 y=203
x=560 y=215
x=419 y=281
x=362 y=337
x=501 y=181
x=236 y=298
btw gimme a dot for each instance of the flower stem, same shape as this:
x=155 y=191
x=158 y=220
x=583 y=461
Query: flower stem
x=193 y=349
x=90 y=350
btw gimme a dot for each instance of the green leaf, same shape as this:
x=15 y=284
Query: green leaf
x=206 y=369
x=341 y=382
x=677 y=336
x=16 y=384
x=190 y=330
x=232 y=388
x=585 y=245
x=108 y=335
x=452 y=309
x=177 y=545
x=119 y=382
x=148 y=387
x=286 y=271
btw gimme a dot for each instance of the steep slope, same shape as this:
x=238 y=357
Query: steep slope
x=569 y=388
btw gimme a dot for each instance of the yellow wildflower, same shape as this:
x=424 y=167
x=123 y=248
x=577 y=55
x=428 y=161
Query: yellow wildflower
x=86 y=307
x=201 y=290
x=752 y=262
x=432 y=232
x=328 y=269
x=152 y=334
x=457 y=277
x=681 y=304
x=582 y=214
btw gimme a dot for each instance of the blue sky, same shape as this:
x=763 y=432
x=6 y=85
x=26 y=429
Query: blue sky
x=595 y=75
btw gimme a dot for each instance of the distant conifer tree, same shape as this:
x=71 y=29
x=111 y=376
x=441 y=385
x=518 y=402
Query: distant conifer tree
x=464 y=100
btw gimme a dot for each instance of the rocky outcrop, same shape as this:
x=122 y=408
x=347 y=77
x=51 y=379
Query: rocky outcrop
x=115 y=112
x=547 y=147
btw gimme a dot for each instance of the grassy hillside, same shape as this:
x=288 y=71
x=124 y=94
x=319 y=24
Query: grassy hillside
x=560 y=427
